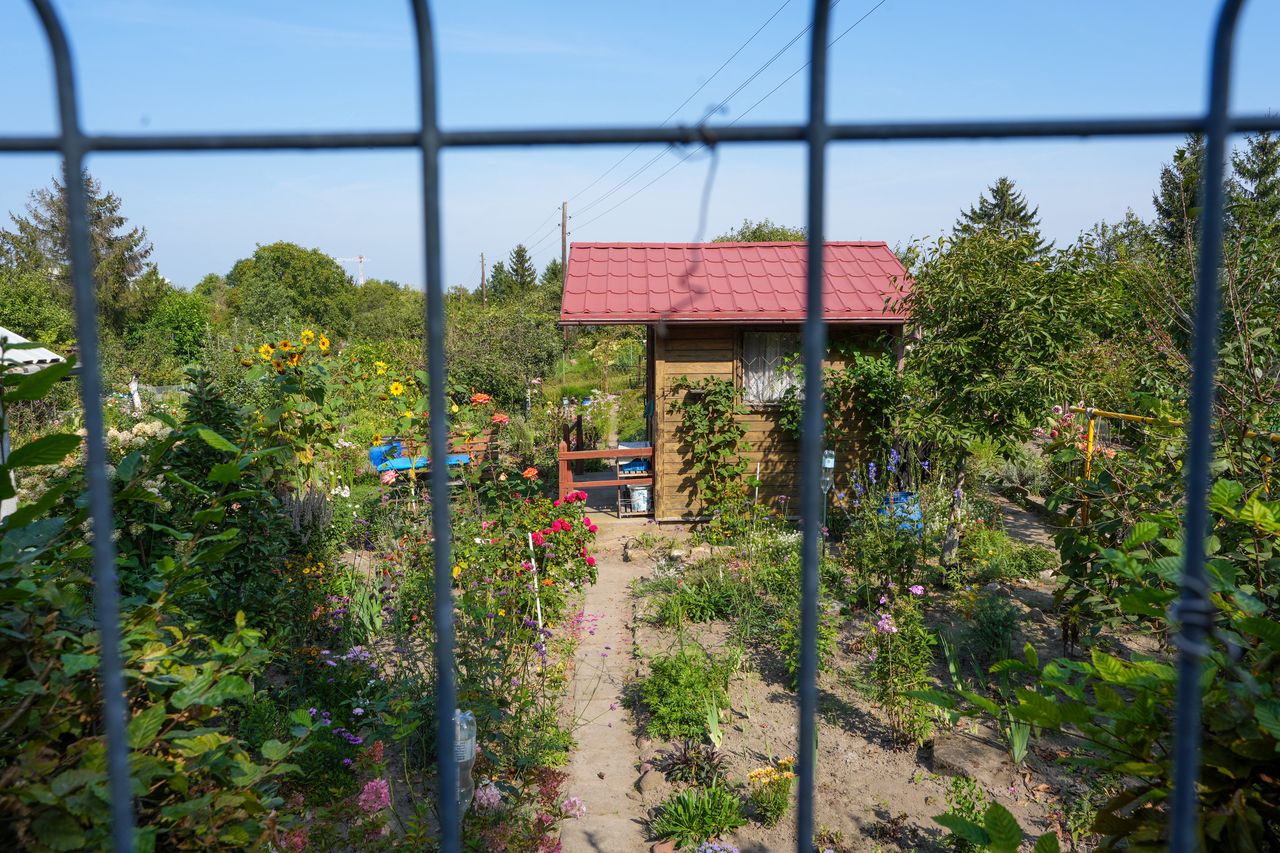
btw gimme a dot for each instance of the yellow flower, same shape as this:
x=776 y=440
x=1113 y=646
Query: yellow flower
x=381 y=367
x=377 y=439
x=396 y=389
x=323 y=343
x=286 y=345
x=406 y=414
x=305 y=456
x=457 y=570
x=294 y=359
x=307 y=337
x=266 y=351
x=502 y=612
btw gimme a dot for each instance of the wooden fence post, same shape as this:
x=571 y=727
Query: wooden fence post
x=566 y=473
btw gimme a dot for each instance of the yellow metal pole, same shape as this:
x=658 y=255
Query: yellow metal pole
x=1273 y=437
x=1088 y=463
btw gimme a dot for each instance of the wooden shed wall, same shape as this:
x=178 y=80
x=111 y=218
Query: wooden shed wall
x=701 y=351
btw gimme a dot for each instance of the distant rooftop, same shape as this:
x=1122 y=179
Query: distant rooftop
x=30 y=360
x=727 y=282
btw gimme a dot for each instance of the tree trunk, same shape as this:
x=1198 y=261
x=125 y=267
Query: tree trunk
x=951 y=542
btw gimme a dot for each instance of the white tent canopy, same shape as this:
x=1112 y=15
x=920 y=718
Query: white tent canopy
x=27 y=361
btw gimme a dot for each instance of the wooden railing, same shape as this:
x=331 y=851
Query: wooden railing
x=570 y=458
x=573 y=439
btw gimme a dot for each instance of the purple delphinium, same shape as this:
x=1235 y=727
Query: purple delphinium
x=871 y=472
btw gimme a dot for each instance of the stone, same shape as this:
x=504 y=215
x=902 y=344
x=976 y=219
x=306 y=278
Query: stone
x=998 y=589
x=956 y=754
x=647 y=784
x=663 y=847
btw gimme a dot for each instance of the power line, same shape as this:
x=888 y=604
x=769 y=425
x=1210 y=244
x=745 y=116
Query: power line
x=740 y=117
x=717 y=108
x=544 y=239
x=789 y=77
x=685 y=102
x=541 y=224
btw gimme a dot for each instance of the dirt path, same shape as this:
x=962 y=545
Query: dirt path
x=1025 y=527
x=602 y=769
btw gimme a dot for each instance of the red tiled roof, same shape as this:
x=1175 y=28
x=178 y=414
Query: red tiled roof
x=738 y=282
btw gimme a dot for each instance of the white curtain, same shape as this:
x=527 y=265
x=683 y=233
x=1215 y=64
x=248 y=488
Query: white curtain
x=764 y=356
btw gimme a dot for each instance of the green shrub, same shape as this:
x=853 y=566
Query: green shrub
x=788 y=638
x=990 y=635
x=900 y=652
x=988 y=554
x=966 y=801
x=678 y=688
x=695 y=815
x=703 y=593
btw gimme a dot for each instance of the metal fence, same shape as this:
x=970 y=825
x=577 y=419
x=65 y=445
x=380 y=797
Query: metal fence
x=1194 y=610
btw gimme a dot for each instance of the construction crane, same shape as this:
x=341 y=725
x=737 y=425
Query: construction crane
x=358 y=259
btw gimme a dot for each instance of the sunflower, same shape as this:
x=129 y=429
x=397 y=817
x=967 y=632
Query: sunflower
x=278 y=365
x=266 y=351
x=285 y=346
x=323 y=343
x=307 y=337
x=396 y=389
x=294 y=359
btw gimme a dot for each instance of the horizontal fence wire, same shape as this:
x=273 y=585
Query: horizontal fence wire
x=816 y=133
x=890 y=131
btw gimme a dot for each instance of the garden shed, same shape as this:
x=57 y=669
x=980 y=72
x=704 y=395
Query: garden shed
x=732 y=311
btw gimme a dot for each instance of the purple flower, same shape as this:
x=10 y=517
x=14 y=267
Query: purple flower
x=924 y=465
x=488 y=796
x=885 y=625
x=359 y=712
x=917 y=589
x=574 y=807
x=871 y=472
x=884 y=599
x=375 y=797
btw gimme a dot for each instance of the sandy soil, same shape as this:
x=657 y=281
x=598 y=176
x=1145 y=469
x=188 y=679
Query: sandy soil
x=878 y=795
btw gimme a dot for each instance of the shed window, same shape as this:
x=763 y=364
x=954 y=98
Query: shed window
x=765 y=356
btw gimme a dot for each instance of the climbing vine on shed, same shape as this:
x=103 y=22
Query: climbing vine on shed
x=709 y=431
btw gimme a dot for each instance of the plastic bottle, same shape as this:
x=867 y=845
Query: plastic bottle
x=464 y=733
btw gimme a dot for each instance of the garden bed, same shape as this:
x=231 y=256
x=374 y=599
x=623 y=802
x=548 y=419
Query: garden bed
x=869 y=787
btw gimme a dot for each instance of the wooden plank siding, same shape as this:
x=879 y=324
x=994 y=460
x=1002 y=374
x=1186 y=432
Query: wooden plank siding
x=697 y=352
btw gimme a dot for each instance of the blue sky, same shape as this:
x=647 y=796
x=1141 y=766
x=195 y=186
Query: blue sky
x=158 y=65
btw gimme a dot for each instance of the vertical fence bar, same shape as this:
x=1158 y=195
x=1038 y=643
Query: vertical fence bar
x=815 y=350
x=446 y=698
x=105 y=588
x=1194 y=611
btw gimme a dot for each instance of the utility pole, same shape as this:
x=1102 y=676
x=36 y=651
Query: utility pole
x=358 y=259
x=484 y=297
x=564 y=238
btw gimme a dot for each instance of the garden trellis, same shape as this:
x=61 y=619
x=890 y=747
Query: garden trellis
x=815 y=134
